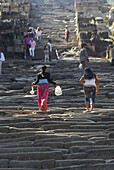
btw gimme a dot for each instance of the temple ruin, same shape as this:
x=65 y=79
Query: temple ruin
x=92 y=21
x=14 y=23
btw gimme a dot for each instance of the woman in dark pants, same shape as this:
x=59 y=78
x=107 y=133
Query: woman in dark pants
x=42 y=80
x=91 y=86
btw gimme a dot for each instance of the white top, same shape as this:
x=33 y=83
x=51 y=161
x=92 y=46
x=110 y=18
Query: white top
x=50 y=46
x=33 y=44
x=39 y=33
x=2 y=57
x=90 y=82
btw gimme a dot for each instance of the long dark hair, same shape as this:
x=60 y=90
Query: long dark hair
x=43 y=70
x=88 y=74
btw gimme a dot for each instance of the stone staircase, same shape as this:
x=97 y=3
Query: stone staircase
x=63 y=137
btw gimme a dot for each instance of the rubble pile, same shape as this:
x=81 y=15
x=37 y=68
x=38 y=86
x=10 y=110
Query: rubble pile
x=92 y=17
x=14 y=22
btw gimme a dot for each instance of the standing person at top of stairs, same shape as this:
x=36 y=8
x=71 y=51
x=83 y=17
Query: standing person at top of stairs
x=2 y=58
x=39 y=35
x=91 y=87
x=84 y=57
x=32 y=48
x=67 y=34
x=50 y=49
x=43 y=89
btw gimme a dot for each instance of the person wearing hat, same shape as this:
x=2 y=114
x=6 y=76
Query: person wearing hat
x=2 y=58
x=42 y=79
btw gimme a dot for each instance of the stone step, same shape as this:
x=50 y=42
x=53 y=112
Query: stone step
x=101 y=153
x=103 y=166
x=50 y=163
x=32 y=155
x=24 y=149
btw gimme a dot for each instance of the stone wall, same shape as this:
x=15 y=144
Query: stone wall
x=91 y=25
x=14 y=22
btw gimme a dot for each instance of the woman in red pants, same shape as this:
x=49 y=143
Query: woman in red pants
x=42 y=80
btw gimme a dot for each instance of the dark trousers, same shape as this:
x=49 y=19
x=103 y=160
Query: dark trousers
x=50 y=56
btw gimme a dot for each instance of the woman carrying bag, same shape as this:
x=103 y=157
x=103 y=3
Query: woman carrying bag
x=91 y=86
x=42 y=80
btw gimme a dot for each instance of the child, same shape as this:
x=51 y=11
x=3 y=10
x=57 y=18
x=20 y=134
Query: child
x=32 y=48
x=46 y=51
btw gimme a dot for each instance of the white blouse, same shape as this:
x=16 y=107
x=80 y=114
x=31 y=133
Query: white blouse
x=2 y=57
x=90 y=82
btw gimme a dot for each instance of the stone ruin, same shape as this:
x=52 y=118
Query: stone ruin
x=92 y=17
x=14 y=22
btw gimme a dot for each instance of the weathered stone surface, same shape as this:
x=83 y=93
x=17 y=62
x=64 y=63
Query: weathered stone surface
x=32 y=155
x=48 y=164
x=4 y=163
x=87 y=167
x=101 y=153
x=25 y=164
x=67 y=162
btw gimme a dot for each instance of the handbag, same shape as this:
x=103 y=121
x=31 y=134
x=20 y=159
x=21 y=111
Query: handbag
x=32 y=91
x=80 y=66
x=58 y=91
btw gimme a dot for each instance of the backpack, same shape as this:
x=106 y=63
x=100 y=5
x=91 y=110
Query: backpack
x=68 y=32
x=46 y=48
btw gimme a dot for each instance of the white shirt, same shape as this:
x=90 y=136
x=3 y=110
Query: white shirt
x=2 y=57
x=39 y=33
x=50 y=46
x=90 y=82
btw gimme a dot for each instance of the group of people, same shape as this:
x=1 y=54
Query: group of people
x=88 y=80
x=30 y=43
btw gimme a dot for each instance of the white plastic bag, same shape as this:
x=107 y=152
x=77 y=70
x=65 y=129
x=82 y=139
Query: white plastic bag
x=32 y=91
x=58 y=91
x=80 y=66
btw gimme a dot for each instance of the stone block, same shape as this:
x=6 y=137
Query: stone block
x=50 y=144
x=81 y=155
x=33 y=155
x=75 y=149
x=48 y=164
x=24 y=149
x=9 y=49
x=101 y=153
x=55 y=126
x=25 y=164
x=4 y=163
x=69 y=162
x=111 y=95
x=111 y=136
